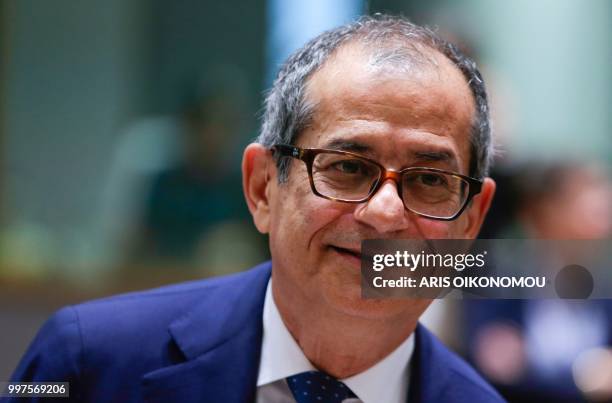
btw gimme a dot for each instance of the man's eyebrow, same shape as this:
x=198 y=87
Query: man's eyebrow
x=344 y=145
x=433 y=156
x=416 y=156
x=437 y=156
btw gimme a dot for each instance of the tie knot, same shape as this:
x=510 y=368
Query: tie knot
x=316 y=386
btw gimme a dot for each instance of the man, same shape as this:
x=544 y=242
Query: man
x=347 y=113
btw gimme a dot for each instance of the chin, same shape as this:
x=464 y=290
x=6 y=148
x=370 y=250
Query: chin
x=341 y=291
x=348 y=301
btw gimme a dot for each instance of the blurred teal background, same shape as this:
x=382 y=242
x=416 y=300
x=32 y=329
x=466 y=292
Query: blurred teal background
x=122 y=125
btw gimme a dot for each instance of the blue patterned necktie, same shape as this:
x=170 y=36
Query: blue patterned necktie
x=318 y=387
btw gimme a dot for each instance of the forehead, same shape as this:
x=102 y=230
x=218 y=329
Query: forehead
x=427 y=104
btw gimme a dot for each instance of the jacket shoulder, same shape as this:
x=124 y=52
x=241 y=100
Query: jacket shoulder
x=55 y=353
x=148 y=310
x=121 y=337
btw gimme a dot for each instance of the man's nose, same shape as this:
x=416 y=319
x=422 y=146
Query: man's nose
x=385 y=211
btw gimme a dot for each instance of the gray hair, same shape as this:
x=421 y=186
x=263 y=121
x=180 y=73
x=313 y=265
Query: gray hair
x=287 y=113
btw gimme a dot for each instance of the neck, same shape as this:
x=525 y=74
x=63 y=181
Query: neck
x=337 y=343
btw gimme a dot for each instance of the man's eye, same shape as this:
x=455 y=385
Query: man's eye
x=431 y=180
x=350 y=167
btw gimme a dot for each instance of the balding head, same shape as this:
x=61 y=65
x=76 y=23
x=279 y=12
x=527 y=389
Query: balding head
x=394 y=44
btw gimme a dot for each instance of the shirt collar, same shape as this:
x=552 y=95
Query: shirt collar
x=281 y=356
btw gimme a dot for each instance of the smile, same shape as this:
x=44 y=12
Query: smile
x=353 y=256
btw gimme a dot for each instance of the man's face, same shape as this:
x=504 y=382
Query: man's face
x=420 y=118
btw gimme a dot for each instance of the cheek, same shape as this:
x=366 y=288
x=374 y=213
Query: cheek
x=299 y=218
x=436 y=229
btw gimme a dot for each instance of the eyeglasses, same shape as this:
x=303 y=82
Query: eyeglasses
x=351 y=178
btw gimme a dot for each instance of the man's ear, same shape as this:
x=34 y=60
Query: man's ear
x=477 y=211
x=257 y=165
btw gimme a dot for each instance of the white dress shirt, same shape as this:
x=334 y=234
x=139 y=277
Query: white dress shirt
x=281 y=356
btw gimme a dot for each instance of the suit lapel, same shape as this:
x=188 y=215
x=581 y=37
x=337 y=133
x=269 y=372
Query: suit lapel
x=428 y=375
x=221 y=341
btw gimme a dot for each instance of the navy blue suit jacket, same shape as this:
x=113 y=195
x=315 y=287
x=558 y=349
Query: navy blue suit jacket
x=196 y=342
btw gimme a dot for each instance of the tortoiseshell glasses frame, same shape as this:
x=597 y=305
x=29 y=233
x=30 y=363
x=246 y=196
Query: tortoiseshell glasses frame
x=428 y=192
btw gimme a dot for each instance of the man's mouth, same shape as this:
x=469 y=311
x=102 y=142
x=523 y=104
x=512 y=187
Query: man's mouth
x=347 y=252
